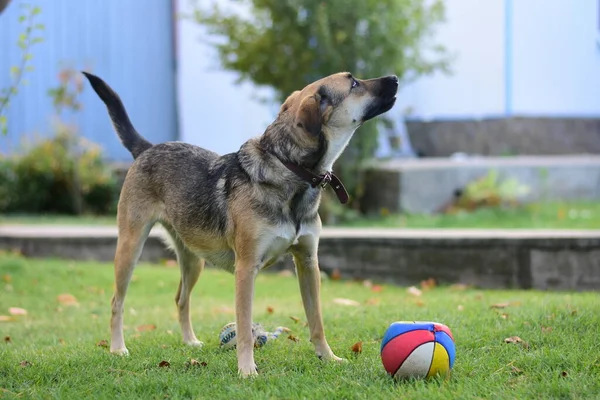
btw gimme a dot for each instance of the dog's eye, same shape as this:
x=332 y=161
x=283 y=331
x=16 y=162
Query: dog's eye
x=354 y=83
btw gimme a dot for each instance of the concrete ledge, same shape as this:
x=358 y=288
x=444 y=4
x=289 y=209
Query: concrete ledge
x=424 y=186
x=559 y=260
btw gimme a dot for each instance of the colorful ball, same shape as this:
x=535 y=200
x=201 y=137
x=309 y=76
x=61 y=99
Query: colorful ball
x=415 y=349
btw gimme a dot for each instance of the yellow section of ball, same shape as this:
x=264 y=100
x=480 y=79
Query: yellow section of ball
x=440 y=364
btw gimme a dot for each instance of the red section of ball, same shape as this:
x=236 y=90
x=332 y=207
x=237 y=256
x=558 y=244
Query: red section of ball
x=442 y=328
x=399 y=348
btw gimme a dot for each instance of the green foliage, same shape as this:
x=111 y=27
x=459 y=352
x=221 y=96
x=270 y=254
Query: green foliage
x=62 y=174
x=288 y=44
x=26 y=40
x=491 y=191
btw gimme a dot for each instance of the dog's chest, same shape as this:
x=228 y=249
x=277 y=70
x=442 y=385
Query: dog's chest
x=275 y=242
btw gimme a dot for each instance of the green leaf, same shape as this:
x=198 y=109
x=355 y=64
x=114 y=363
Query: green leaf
x=37 y=40
x=22 y=18
x=28 y=56
x=36 y=10
x=29 y=68
x=14 y=70
x=40 y=27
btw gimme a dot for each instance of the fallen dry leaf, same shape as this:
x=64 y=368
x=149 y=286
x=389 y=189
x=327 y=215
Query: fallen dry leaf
x=336 y=275
x=25 y=363
x=573 y=312
x=346 y=302
x=357 y=347
x=376 y=288
x=6 y=318
x=459 y=286
x=7 y=339
x=373 y=301
x=516 y=370
x=67 y=299
x=224 y=310
x=163 y=346
x=564 y=374
x=146 y=328
x=293 y=338
x=420 y=303
x=17 y=311
x=504 y=316
x=414 y=291
x=546 y=329
x=102 y=343
x=170 y=332
x=171 y=263
x=194 y=362
x=500 y=305
x=517 y=340
x=270 y=310
x=295 y=319
x=367 y=283
x=164 y=364
x=460 y=307
x=513 y=339
x=6 y=278
x=61 y=340
x=203 y=363
x=286 y=273
x=428 y=284
x=479 y=296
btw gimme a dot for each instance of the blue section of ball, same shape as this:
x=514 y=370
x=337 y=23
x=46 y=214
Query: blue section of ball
x=398 y=328
x=446 y=341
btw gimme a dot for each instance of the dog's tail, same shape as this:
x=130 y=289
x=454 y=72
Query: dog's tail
x=130 y=138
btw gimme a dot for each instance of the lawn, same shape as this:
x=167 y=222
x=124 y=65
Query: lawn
x=579 y=215
x=53 y=351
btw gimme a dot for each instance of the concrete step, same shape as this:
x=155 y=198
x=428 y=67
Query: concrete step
x=425 y=186
x=539 y=259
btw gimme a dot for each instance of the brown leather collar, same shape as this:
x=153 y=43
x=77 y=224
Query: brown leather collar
x=320 y=180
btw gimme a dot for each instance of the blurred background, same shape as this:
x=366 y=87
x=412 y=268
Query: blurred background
x=497 y=122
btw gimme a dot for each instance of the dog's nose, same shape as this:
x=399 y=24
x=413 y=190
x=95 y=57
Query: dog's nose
x=394 y=78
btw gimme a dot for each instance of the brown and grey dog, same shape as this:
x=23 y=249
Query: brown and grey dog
x=241 y=211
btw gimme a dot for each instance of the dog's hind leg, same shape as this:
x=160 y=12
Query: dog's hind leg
x=191 y=266
x=132 y=236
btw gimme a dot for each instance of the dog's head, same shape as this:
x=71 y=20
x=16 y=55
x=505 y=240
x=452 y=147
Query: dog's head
x=336 y=106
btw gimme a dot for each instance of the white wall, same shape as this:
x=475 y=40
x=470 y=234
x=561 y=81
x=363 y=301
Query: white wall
x=214 y=112
x=556 y=57
x=474 y=33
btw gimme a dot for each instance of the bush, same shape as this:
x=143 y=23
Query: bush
x=62 y=174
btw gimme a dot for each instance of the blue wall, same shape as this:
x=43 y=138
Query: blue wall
x=128 y=43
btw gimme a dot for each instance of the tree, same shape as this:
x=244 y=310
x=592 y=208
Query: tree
x=26 y=40
x=287 y=44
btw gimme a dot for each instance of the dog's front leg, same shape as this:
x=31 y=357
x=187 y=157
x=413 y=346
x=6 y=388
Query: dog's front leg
x=309 y=277
x=245 y=274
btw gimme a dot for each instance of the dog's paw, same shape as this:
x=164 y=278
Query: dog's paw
x=331 y=357
x=248 y=372
x=120 y=351
x=194 y=343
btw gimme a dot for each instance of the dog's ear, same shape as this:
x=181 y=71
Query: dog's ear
x=288 y=102
x=308 y=115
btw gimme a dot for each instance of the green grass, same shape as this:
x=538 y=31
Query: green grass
x=580 y=215
x=59 y=341
x=51 y=219
x=535 y=216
